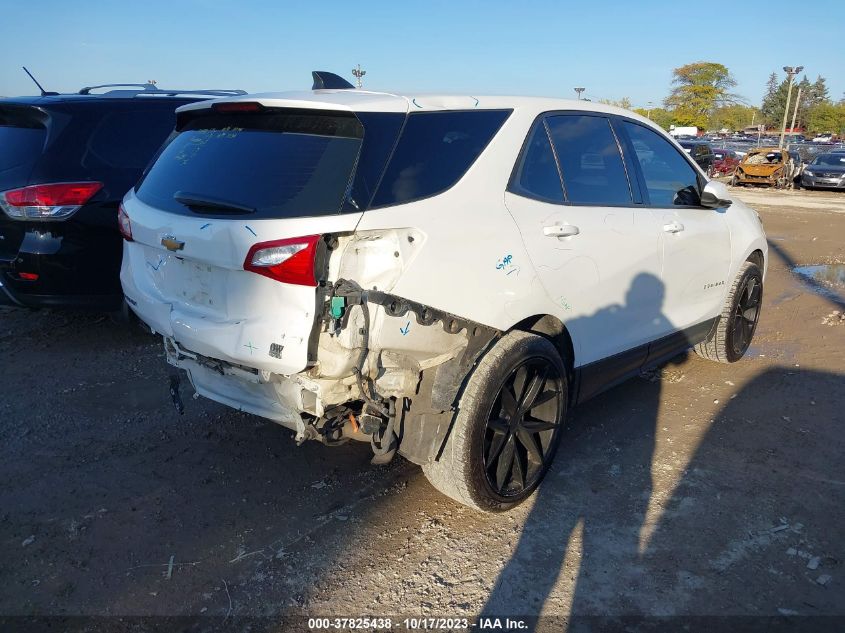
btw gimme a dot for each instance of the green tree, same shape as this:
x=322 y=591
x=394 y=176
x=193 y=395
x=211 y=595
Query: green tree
x=826 y=117
x=661 y=117
x=700 y=88
x=733 y=117
x=774 y=102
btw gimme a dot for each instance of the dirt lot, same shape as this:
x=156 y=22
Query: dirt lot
x=697 y=490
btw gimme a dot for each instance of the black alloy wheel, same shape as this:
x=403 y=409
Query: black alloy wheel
x=520 y=437
x=746 y=315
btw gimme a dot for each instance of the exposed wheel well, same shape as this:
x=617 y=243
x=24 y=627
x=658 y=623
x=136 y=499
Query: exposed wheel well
x=552 y=328
x=757 y=258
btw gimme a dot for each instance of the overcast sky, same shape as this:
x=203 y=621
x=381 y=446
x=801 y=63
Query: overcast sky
x=613 y=49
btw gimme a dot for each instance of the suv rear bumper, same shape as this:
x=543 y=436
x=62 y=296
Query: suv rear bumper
x=77 y=262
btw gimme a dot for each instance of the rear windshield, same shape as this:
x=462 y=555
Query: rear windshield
x=273 y=164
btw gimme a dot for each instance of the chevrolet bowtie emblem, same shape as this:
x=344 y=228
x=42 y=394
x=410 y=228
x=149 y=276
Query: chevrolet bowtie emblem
x=171 y=243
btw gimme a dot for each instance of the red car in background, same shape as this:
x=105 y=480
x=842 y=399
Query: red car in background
x=724 y=161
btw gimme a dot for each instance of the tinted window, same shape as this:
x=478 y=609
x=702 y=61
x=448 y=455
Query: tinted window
x=22 y=136
x=434 y=152
x=537 y=174
x=281 y=163
x=589 y=159
x=669 y=178
x=380 y=132
x=20 y=146
x=127 y=140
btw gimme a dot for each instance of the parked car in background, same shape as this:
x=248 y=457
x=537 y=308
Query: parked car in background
x=66 y=160
x=769 y=166
x=701 y=153
x=823 y=138
x=409 y=270
x=724 y=161
x=827 y=170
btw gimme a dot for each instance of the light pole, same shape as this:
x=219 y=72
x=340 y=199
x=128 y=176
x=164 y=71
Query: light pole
x=579 y=91
x=649 y=106
x=789 y=70
x=359 y=74
x=795 y=111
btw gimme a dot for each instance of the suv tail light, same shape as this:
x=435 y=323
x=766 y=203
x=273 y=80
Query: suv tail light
x=124 y=224
x=57 y=201
x=290 y=261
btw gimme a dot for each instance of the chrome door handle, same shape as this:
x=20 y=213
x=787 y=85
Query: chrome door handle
x=673 y=227
x=560 y=230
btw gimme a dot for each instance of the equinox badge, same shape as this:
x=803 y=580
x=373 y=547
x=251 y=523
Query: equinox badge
x=171 y=243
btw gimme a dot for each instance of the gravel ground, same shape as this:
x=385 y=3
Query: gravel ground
x=699 y=489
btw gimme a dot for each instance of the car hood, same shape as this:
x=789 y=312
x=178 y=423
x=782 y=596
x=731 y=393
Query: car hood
x=761 y=170
x=832 y=169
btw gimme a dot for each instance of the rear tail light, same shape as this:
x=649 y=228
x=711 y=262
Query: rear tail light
x=28 y=276
x=290 y=261
x=124 y=224
x=57 y=201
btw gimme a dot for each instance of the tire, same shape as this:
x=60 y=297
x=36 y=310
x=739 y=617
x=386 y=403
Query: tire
x=734 y=331
x=488 y=462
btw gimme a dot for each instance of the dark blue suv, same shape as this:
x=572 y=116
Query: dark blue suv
x=66 y=160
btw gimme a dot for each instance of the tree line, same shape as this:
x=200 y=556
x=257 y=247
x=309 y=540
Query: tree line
x=702 y=96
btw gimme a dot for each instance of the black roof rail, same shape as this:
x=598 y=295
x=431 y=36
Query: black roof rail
x=149 y=88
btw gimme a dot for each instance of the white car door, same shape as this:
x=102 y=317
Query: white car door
x=594 y=249
x=695 y=241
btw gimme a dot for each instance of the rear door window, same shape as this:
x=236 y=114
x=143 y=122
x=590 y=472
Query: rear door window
x=434 y=151
x=590 y=160
x=274 y=164
x=669 y=179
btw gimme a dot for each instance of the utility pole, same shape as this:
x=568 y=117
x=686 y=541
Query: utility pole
x=649 y=106
x=791 y=72
x=795 y=111
x=359 y=74
x=579 y=91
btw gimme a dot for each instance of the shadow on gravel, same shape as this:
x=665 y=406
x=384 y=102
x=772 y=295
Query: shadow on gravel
x=751 y=526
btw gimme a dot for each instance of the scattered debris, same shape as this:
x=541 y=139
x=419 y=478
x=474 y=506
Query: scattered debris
x=813 y=563
x=791 y=551
x=824 y=579
x=834 y=318
x=28 y=541
x=783 y=611
x=169 y=573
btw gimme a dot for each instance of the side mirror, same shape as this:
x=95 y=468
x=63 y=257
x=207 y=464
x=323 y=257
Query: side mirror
x=715 y=195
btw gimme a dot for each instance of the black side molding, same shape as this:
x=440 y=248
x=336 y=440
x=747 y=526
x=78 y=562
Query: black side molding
x=324 y=80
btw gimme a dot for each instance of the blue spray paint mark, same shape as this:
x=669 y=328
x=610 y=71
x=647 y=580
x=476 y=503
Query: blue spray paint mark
x=157 y=266
x=405 y=329
x=476 y=103
x=205 y=226
x=414 y=101
x=250 y=347
x=250 y=230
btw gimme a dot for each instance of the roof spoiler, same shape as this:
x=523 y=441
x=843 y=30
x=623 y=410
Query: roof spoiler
x=324 y=80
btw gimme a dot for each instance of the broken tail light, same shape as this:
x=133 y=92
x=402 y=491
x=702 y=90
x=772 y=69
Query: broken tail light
x=56 y=201
x=124 y=224
x=290 y=260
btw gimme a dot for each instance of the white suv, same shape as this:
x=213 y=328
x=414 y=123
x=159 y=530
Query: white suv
x=440 y=276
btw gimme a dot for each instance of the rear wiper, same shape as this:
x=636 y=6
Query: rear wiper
x=198 y=202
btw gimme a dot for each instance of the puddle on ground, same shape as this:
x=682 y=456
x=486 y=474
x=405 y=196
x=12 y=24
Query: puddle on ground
x=825 y=279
